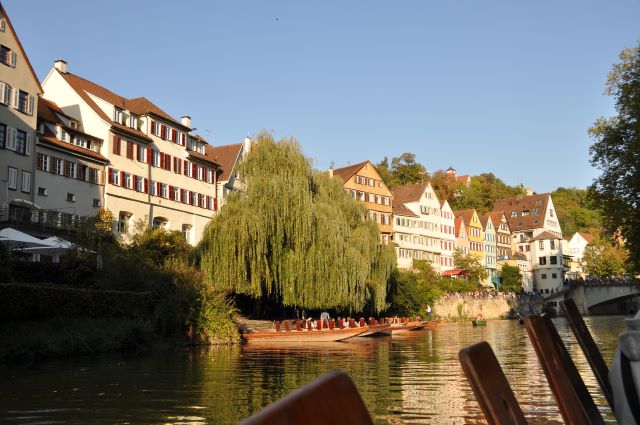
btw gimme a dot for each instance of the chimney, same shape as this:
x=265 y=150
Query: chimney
x=60 y=65
x=247 y=145
x=186 y=121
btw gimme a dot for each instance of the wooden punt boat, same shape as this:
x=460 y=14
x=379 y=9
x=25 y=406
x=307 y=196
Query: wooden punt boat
x=479 y=322
x=304 y=335
x=398 y=328
x=376 y=330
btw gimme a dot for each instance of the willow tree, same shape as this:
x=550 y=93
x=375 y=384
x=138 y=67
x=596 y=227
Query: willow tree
x=295 y=236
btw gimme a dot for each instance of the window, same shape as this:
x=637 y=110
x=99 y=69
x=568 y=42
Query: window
x=23 y=101
x=7 y=56
x=43 y=162
x=71 y=197
x=165 y=191
x=59 y=166
x=159 y=223
x=542 y=261
x=543 y=276
x=26 y=182
x=372 y=198
x=554 y=275
x=123 y=222
x=541 y=244
x=42 y=191
x=186 y=232
x=96 y=203
x=3 y=136
x=133 y=121
x=117 y=115
x=156 y=158
x=21 y=142
x=13 y=178
x=551 y=212
x=552 y=244
x=514 y=214
x=553 y=259
x=71 y=169
x=386 y=200
x=128 y=183
x=371 y=182
x=139 y=184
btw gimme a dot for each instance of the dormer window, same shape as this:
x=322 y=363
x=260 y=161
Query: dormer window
x=117 y=115
x=133 y=121
x=73 y=124
x=525 y=212
x=63 y=135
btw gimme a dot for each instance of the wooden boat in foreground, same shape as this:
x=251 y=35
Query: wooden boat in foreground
x=398 y=328
x=300 y=333
x=479 y=322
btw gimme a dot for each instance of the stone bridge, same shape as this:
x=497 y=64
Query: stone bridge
x=596 y=297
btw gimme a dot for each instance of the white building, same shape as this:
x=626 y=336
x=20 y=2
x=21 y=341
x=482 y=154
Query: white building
x=546 y=249
x=416 y=224
x=489 y=244
x=447 y=236
x=158 y=171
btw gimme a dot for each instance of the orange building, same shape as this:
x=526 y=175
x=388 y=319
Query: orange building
x=363 y=182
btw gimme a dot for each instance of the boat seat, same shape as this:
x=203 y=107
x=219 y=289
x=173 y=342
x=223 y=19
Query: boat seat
x=352 y=323
x=490 y=386
x=309 y=326
x=287 y=327
x=330 y=399
x=574 y=401
x=277 y=325
x=298 y=325
x=362 y=322
x=589 y=347
x=332 y=324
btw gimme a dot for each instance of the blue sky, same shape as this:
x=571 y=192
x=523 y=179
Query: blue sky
x=503 y=86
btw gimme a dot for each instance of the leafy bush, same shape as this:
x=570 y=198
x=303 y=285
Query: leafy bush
x=19 y=301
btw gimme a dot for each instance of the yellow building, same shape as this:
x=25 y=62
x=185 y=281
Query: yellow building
x=363 y=182
x=474 y=232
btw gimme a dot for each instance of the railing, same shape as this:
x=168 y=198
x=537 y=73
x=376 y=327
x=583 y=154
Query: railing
x=53 y=221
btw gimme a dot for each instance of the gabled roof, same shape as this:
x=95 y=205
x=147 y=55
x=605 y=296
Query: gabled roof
x=458 y=222
x=143 y=106
x=226 y=156
x=484 y=220
x=24 y=54
x=496 y=218
x=345 y=173
x=49 y=138
x=545 y=236
x=587 y=236
x=466 y=215
x=206 y=157
x=410 y=192
x=50 y=112
x=401 y=209
x=521 y=203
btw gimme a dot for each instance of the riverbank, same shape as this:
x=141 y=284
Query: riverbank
x=453 y=306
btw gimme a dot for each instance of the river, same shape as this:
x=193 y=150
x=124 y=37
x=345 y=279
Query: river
x=411 y=379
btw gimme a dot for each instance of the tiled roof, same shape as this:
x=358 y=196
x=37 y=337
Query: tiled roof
x=519 y=204
x=345 y=173
x=139 y=106
x=24 y=54
x=496 y=218
x=587 y=236
x=466 y=215
x=206 y=157
x=401 y=209
x=458 y=222
x=545 y=236
x=409 y=192
x=226 y=156
x=484 y=219
x=48 y=111
x=50 y=138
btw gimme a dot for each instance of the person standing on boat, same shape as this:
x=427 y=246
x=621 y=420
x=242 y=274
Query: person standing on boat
x=428 y=311
x=324 y=316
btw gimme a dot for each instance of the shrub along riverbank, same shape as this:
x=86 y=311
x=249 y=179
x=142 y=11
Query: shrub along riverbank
x=147 y=293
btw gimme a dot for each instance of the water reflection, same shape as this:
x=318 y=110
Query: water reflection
x=415 y=378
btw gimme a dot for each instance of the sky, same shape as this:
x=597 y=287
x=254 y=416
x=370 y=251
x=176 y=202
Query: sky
x=501 y=86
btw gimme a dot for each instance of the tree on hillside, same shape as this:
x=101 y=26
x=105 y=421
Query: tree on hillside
x=482 y=193
x=510 y=279
x=446 y=188
x=403 y=170
x=603 y=259
x=295 y=237
x=575 y=213
x=615 y=152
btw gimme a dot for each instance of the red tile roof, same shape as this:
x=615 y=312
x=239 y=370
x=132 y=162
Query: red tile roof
x=49 y=138
x=520 y=204
x=48 y=111
x=345 y=173
x=410 y=192
x=458 y=222
x=545 y=236
x=401 y=209
x=206 y=157
x=466 y=215
x=496 y=218
x=587 y=236
x=484 y=220
x=226 y=156
x=24 y=54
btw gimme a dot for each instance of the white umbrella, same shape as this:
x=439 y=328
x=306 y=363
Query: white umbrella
x=14 y=239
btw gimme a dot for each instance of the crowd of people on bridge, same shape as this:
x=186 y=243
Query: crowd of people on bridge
x=600 y=281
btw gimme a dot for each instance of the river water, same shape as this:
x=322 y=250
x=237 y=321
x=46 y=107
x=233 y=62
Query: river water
x=410 y=379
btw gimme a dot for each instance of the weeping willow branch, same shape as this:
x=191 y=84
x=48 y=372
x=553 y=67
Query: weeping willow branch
x=296 y=236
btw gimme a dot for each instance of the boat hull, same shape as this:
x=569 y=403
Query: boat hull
x=377 y=330
x=479 y=323
x=324 y=335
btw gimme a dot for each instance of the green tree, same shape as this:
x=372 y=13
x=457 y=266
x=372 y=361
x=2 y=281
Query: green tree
x=403 y=170
x=575 y=212
x=296 y=237
x=471 y=264
x=510 y=279
x=603 y=259
x=483 y=192
x=615 y=152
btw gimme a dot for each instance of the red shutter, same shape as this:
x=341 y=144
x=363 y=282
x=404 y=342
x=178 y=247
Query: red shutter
x=110 y=175
x=194 y=171
x=140 y=153
x=153 y=127
x=174 y=135
x=116 y=145
x=168 y=162
x=161 y=160
x=215 y=204
x=183 y=137
x=146 y=185
x=158 y=189
x=149 y=155
x=122 y=182
x=186 y=168
x=181 y=195
x=172 y=192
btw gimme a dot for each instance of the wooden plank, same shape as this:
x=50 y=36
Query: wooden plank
x=589 y=347
x=568 y=388
x=490 y=386
x=330 y=399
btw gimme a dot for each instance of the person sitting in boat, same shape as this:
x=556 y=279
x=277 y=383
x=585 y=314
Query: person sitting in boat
x=313 y=324
x=479 y=317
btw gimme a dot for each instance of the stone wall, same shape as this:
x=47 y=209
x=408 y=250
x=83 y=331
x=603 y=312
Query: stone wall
x=460 y=306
